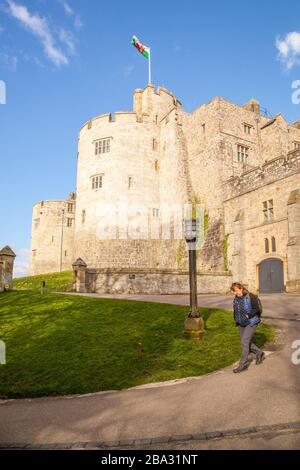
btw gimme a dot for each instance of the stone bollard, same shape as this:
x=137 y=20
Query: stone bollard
x=193 y=328
x=79 y=276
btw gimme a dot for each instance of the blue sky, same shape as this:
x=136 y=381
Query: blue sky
x=66 y=61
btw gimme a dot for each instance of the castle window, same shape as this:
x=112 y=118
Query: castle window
x=83 y=214
x=70 y=207
x=130 y=182
x=296 y=145
x=156 y=165
x=203 y=128
x=267 y=248
x=156 y=119
x=102 y=146
x=273 y=244
x=65 y=253
x=243 y=153
x=268 y=210
x=155 y=212
x=154 y=144
x=97 y=181
x=52 y=238
x=69 y=222
x=247 y=129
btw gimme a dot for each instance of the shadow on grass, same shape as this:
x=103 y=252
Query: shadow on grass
x=59 y=345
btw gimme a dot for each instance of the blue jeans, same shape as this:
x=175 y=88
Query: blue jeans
x=246 y=335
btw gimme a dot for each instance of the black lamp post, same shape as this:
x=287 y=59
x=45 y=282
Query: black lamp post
x=62 y=239
x=194 y=324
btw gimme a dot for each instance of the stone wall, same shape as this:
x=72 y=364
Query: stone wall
x=246 y=227
x=173 y=157
x=256 y=178
x=143 y=147
x=52 y=236
x=156 y=281
x=7 y=259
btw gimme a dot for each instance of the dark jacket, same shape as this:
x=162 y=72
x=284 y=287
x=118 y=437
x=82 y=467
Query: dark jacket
x=241 y=316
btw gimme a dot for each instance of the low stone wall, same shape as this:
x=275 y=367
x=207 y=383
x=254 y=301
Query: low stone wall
x=293 y=287
x=153 y=282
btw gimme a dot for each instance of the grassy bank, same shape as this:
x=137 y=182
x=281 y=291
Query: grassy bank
x=62 y=344
x=58 y=282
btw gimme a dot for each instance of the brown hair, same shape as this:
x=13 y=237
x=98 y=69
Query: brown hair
x=239 y=286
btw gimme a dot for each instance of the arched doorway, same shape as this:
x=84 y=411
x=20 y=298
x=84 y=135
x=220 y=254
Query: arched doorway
x=271 y=277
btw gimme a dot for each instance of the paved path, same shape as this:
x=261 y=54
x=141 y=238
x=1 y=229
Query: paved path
x=265 y=395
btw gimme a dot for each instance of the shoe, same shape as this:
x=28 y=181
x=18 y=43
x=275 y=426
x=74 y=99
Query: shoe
x=260 y=358
x=241 y=368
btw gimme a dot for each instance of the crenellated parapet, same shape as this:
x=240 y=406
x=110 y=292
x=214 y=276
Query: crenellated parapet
x=273 y=170
x=149 y=105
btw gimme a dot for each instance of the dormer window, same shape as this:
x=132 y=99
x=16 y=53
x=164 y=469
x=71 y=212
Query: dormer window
x=296 y=145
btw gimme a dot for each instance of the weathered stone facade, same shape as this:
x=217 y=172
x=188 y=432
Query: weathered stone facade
x=230 y=158
x=52 y=240
x=7 y=259
x=247 y=230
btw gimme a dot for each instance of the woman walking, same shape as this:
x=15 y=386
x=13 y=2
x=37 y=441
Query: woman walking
x=246 y=311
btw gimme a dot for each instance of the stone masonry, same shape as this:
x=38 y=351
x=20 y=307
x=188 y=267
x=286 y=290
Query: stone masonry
x=230 y=158
x=7 y=259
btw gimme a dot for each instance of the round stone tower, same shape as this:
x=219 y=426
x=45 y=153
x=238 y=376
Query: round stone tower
x=52 y=236
x=119 y=179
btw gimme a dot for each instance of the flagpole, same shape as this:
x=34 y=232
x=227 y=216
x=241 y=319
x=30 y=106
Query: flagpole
x=149 y=65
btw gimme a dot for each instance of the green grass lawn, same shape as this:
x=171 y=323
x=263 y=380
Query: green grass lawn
x=61 y=344
x=59 y=282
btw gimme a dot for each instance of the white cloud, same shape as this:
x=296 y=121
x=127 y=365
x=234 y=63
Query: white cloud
x=8 y=62
x=289 y=49
x=70 y=12
x=78 y=23
x=67 y=38
x=68 y=9
x=38 y=26
x=21 y=267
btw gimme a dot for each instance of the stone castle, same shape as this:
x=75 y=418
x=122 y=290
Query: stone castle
x=242 y=166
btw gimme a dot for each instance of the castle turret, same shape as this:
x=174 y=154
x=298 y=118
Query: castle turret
x=120 y=163
x=7 y=258
x=52 y=238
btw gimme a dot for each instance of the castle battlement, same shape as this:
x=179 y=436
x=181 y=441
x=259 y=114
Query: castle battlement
x=269 y=172
x=146 y=102
x=158 y=154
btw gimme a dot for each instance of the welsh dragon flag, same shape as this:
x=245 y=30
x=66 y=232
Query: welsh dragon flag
x=140 y=47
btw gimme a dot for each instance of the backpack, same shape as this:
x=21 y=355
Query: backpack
x=260 y=307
